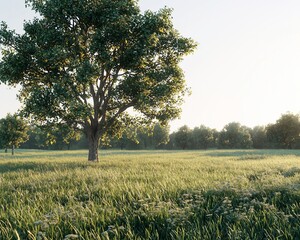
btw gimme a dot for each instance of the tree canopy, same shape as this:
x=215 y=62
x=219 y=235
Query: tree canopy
x=13 y=132
x=202 y=137
x=234 y=135
x=86 y=63
x=183 y=137
x=285 y=132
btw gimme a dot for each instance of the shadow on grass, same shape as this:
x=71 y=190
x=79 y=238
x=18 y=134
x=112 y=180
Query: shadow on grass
x=41 y=167
x=35 y=154
x=29 y=160
x=135 y=152
x=21 y=154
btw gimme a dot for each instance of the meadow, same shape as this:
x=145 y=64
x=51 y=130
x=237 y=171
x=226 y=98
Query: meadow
x=219 y=194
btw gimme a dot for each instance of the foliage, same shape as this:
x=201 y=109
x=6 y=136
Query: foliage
x=183 y=137
x=203 y=137
x=259 y=137
x=160 y=135
x=13 y=131
x=144 y=137
x=234 y=135
x=171 y=144
x=56 y=137
x=60 y=135
x=151 y=195
x=285 y=132
x=84 y=63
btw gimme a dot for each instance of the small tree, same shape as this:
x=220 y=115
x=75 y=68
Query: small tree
x=13 y=132
x=85 y=63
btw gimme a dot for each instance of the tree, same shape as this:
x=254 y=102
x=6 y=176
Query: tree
x=143 y=137
x=60 y=135
x=285 y=132
x=202 y=137
x=259 y=137
x=13 y=132
x=160 y=135
x=85 y=63
x=183 y=137
x=214 y=143
x=36 y=139
x=171 y=143
x=234 y=135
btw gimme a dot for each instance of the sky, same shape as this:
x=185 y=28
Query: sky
x=246 y=67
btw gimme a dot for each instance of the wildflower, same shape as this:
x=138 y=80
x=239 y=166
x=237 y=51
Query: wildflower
x=39 y=222
x=105 y=234
x=41 y=236
x=71 y=236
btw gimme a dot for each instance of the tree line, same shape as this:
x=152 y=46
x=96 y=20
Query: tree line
x=285 y=134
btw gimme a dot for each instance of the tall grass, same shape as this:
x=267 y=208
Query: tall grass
x=150 y=195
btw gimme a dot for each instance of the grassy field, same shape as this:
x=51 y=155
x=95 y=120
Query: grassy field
x=150 y=195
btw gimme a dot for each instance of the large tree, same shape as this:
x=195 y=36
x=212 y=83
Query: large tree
x=87 y=62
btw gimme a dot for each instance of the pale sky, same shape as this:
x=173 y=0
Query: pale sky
x=245 y=69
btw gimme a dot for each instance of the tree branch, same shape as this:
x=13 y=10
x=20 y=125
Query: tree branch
x=118 y=113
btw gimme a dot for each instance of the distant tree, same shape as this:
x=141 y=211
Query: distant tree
x=79 y=143
x=42 y=138
x=234 y=135
x=55 y=137
x=273 y=136
x=60 y=136
x=2 y=143
x=259 y=137
x=133 y=138
x=143 y=137
x=119 y=142
x=160 y=135
x=86 y=63
x=13 y=132
x=32 y=142
x=183 y=137
x=202 y=137
x=285 y=132
x=214 y=143
x=171 y=143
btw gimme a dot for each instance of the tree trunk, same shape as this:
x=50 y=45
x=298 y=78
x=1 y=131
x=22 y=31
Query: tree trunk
x=93 y=139
x=13 y=150
x=6 y=150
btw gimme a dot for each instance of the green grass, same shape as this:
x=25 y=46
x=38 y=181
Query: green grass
x=221 y=194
